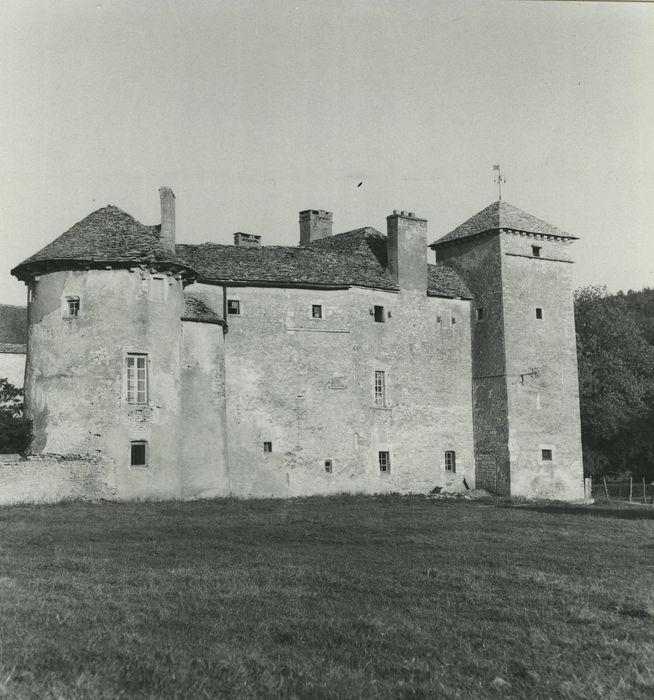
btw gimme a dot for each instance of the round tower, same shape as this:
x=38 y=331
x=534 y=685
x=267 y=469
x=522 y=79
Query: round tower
x=105 y=302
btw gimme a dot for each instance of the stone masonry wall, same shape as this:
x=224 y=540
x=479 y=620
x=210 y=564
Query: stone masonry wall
x=543 y=405
x=76 y=389
x=306 y=385
x=478 y=261
x=51 y=479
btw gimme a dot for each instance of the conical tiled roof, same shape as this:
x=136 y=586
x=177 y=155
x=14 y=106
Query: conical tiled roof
x=501 y=215
x=108 y=236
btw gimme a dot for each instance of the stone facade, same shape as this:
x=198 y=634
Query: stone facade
x=347 y=364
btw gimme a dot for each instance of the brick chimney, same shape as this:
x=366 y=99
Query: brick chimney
x=407 y=250
x=247 y=240
x=167 y=217
x=314 y=224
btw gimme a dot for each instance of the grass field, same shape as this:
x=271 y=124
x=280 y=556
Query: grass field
x=340 y=597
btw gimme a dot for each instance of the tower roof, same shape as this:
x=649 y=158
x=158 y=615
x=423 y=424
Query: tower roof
x=108 y=236
x=501 y=215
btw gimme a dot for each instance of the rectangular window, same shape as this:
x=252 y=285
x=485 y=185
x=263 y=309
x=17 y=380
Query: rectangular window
x=450 y=461
x=328 y=466
x=379 y=314
x=546 y=455
x=539 y=313
x=316 y=311
x=380 y=388
x=72 y=306
x=385 y=462
x=535 y=251
x=137 y=379
x=233 y=307
x=267 y=446
x=453 y=320
x=139 y=454
x=479 y=314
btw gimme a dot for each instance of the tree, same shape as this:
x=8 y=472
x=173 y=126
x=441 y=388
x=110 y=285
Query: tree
x=15 y=430
x=616 y=384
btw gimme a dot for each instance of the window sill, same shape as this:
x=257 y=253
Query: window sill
x=382 y=408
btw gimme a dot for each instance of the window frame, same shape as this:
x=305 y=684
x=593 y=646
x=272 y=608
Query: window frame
x=384 y=461
x=479 y=314
x=267 y=447
x=320 y=315
x=379 y=313
x=239 y=307
x=132 y=382
x=535 y=251
x=72 y=302
x=450 y=461
x=329 y=466
x=542 y=458
x=539 y=313
x=144 y=445
x=380 y=399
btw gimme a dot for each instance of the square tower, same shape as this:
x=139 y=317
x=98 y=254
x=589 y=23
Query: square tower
x=524 y=357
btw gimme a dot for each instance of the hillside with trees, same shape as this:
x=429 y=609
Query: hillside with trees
x=615 y=351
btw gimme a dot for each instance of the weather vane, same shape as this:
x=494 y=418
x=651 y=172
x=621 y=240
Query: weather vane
x=499 y=179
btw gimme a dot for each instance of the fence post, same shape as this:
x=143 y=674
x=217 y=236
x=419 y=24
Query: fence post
x=631 y=487
x=606 y=491
x=644 y=492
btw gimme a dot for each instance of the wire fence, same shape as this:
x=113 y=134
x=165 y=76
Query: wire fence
x=633 y=490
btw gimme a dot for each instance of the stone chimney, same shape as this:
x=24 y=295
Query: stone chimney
x=167 y=217
x=247 y=240
x=407 y=250
x=314 y=224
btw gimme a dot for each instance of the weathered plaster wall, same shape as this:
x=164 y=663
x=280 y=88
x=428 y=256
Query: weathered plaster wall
x=12 y=367
x=478 y=261
x=202 y=445
x=543 y=409
x=49 y=480
x=76 y=380
x=307 y=386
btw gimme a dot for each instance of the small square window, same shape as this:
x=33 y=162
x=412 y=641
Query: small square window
x=539 y=313
x=453 y=320
x=546 y=455
x=72 y=306
x=379 y=314
x=450 y=461
x=233 y=307
x=316 y=311
x=139 y=454
x=267 y=446
x=535 y=251
x=329 y=466
x=479 y=314
x=384 y=462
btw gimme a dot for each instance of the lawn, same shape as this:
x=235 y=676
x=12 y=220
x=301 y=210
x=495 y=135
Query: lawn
x=341 y=597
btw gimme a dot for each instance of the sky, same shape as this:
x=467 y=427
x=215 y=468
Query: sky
x=254 y=110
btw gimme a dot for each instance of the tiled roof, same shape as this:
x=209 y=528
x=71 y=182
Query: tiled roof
x=197 y=309
x=445 y=282
x=108 y=236
x=501 y=215
x=13 y=325
x=13 y=348
x=346 y=259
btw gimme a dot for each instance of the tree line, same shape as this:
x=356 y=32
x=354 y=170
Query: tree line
x=615 y=354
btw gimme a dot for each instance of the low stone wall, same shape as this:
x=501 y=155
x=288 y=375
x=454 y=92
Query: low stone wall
x=51 y=479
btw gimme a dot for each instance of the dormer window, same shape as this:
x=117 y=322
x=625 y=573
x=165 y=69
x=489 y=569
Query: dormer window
x=535 y=251
x=72 y=307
